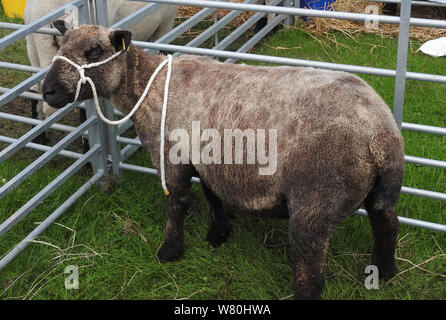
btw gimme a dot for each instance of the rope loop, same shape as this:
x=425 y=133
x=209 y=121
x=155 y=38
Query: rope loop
x=84 y=79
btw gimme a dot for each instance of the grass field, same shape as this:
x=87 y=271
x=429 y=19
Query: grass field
x=114 y=236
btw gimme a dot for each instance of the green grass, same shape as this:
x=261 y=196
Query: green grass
x=114 y=236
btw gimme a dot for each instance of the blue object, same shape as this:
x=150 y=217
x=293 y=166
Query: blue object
x=316 y=4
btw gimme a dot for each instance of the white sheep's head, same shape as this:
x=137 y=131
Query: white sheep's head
x=84 y=45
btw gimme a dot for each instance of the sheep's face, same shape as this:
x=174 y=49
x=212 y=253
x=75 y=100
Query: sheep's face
x=84 y=45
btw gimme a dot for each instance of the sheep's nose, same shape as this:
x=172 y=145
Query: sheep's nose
x=48 y=92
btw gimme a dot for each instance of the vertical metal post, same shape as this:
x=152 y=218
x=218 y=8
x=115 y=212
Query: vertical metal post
x=216 y=34
x=216 y=39
x=101 y=13
x=289 y=21
x=111 y=146
x=95 y=135
x=401 y=64
x=84 y=14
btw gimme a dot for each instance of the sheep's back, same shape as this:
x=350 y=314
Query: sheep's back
x=325 y=122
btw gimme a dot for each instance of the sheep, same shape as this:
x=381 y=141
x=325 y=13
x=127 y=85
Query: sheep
x=338 y=145
x=43 y=47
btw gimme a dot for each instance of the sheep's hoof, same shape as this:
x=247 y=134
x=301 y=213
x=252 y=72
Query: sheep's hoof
x=387 y=269
x=171 y=250
x=218 y=235
x=387 y=273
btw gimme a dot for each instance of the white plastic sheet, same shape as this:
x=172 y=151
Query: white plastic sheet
x=440 y=1
x=435 y=48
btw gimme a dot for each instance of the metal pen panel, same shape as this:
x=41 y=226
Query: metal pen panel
x=47 y=191
x=34 y=132
x=135 y=17
x=41 y=147
x=39 y=23
x=43 y=159
x=50 y=219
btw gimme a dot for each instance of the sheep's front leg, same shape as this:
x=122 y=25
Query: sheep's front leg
x=179 y=184
x=173 y=245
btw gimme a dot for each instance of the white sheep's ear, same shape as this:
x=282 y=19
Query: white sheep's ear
x=120 y=39
x=62 y=26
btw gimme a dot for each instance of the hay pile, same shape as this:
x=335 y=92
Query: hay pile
x=320 y=26
x=187 y=12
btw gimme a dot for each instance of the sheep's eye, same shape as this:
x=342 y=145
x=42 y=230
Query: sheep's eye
x=94 y=54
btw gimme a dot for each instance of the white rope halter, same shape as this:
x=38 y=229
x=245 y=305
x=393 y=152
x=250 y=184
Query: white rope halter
x=84 y=79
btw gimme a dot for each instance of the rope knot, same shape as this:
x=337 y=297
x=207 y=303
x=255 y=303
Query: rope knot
x=81 y=71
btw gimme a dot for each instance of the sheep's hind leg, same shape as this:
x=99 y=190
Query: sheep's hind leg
x=220 y=227
x=385 y=227
x=309 y=233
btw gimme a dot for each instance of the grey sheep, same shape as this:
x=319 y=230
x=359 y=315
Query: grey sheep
x=338 y=145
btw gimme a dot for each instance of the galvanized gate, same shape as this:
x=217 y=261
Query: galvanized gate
x=106 y=155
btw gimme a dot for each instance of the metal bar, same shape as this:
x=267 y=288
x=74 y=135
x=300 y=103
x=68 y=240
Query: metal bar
x=124 y=127
x=259 y=36
x=423 y=128
x=23 y=86
x=34 y=132
x=289 y=4
x=186 y=25
x=34 y=122
x=304 y=12
x=47 y=191
x=17 y=26
x=41 y=147
x=151 y=171
x=48 y=221
x=425 y=162
x=44 y=158
x=424 y=193
x=241 y=29
x=217 y=26
x=288 y=61
x=138 y=15
x=401 y=65
x=25 y=94
x=39 y=23
x=133 y=142
x=97 y=135
x=414 y=3
x=113 y=148
x=412 y=222
x=127 y=151
x=101 y=13
x=19 y=67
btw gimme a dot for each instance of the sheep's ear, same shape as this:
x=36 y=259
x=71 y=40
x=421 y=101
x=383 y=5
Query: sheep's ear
x=120 y=39
x=62 y=26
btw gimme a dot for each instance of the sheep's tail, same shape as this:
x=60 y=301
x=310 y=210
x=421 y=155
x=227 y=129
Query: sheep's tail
x=387 y=151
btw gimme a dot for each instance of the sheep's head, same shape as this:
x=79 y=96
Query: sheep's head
x=84 y=45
